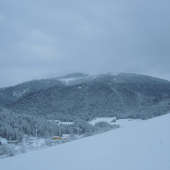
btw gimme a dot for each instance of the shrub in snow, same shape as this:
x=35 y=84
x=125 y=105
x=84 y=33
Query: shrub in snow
x=104 y=126
x=72 y=137
x=23 y=147
x=48 y=142
x=7 y=150
x=88 y=134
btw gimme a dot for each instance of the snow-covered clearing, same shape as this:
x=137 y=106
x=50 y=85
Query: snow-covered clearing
x=142 y=146
x=121 y=122
x=66 y=123
x=67 y=80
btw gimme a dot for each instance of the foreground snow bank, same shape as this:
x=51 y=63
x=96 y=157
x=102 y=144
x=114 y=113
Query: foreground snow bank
x=143 y=146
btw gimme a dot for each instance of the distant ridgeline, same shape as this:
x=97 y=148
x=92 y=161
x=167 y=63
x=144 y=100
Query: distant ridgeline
x=85 y=97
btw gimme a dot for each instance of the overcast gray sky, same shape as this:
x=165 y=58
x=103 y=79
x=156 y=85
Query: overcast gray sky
x=45 y=39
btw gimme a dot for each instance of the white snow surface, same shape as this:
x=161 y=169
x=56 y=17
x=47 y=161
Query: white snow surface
x=3 y=141
x=67 y=79
x=105 y=119
x=121 y=122
x=20 y=93
x=142 y=146
x=66 y=123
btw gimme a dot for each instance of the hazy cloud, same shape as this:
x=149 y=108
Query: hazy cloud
x=41 y=39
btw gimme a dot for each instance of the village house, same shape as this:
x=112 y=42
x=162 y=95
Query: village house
x=62 y=137
x=30 y=141
x=16 y=142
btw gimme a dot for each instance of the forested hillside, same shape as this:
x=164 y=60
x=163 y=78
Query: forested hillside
x=85 y=97
x=14 y=93
x=15 y=126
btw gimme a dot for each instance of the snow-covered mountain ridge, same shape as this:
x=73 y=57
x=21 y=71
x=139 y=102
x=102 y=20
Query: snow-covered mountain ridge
x=142 y=146
x=83 y=96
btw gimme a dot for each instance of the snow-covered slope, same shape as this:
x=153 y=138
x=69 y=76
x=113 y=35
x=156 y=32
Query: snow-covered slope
x=142 y=146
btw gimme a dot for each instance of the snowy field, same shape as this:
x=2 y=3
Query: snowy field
x=139 y=146
x=63 y=123
x=66 y=123
x=121 y=122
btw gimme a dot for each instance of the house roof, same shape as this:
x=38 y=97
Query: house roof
x=65 y=135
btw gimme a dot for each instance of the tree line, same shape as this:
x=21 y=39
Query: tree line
x=14 y=126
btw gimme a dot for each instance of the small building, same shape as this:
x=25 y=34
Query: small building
x=31 y=141
x=62 y=137
x=16 y=142
x=66 y=136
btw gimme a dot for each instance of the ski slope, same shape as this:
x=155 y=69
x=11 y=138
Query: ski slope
x=142 y=146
